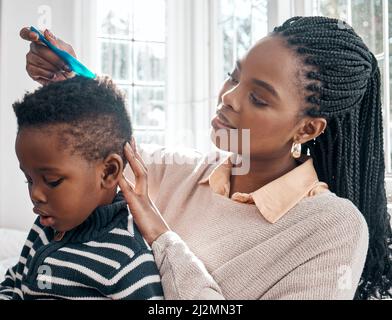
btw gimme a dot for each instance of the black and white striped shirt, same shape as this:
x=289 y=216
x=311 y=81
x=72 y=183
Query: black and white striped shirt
x=103 y=258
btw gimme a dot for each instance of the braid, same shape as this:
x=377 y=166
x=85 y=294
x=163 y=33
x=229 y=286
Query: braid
x=343 y=86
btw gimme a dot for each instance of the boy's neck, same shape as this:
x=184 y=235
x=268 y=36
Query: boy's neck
x=108 y=197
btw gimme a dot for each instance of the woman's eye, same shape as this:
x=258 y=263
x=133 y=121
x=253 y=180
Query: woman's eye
x=257 y=101
x=54 y=184
x=232 y=79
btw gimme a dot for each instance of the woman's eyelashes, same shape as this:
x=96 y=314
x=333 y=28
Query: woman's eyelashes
x=257 y=101
x=253 y=97
x=232 y=79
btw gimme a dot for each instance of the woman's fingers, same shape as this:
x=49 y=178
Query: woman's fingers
x=127 y=190
x=42 y=54
x=42 y=82
x=28 y=35
x=138 y=170
x=129 y=183
x=42 y=64
x=137 y=154
x=146 y=214
x=47 y=55
x=36 y=72
x=39 y=62
x=126 y=186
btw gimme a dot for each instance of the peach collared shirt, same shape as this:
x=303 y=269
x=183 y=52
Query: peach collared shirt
x=276 y=198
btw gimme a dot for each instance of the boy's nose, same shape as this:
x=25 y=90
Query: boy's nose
x=37 y=196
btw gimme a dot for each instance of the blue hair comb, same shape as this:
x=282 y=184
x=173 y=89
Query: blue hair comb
x=75 y=65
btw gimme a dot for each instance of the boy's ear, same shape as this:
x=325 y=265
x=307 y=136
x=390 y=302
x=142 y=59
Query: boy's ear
x=112 y=170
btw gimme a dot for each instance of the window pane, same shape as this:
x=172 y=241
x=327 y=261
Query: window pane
x=242 y=26
x=242 y=22
x=390 y=55
x=367 y=21
x=148 y=136
x=149 y=107
x=227 y=25
x=131 y=43
x=259 y=19
x=150 y=62
x=114 y=17
x=381 y=65
x=382 y=71
x=334 y=9
x=128 y=91
x=389 y=107
x=149 y=20
x=115 y=59
x=366 y=18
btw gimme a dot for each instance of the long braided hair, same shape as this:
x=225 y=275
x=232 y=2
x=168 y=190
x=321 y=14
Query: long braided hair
x=342 y=84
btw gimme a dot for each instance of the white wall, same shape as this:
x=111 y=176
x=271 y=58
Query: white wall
x=15 y=206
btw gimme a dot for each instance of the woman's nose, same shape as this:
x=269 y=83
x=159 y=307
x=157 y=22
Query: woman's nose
x=231 y=98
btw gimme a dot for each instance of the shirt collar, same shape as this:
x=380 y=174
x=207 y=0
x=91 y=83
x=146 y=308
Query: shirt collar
x=272 y=203
x=102 y=220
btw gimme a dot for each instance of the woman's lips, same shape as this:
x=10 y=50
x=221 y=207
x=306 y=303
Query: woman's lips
x=221 y=122
x=45 y=219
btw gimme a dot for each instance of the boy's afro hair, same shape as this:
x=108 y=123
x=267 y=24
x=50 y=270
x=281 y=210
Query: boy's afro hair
x=91 y=115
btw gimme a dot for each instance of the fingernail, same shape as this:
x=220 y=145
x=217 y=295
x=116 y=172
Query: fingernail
x=36 y=37
x=133 y=142
x=66 y=68
x=49 y=33
x=128 y=148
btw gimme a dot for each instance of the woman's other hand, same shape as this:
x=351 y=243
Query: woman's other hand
x=42 y=64
x=146 y=215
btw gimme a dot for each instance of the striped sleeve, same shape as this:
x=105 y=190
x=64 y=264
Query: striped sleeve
x=136 y=280
x=8 y=285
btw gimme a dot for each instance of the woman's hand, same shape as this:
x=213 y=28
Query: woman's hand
x=146 y=215
x=42 y=64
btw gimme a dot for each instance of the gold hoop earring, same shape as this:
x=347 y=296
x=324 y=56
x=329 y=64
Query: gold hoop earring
x=296 y=150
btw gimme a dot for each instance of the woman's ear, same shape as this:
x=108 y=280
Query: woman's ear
x=310 y=129
x=113 y=167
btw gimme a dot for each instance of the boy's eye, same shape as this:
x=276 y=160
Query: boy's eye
x=28 y=180
x=54 y=184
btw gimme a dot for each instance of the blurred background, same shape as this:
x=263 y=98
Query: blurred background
x=170 y=57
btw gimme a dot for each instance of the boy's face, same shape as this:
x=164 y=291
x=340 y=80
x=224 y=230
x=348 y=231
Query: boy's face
x=64 y=188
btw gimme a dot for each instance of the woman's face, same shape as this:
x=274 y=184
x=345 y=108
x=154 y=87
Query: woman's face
x=261 y=94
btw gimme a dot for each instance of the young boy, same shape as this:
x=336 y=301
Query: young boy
x=84 y=244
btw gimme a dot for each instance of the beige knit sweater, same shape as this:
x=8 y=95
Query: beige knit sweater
x=222 y=249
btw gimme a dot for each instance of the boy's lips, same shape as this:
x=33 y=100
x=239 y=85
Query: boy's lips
x=40 y=212
x=45 y=219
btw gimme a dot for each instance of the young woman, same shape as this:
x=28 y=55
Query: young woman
x=290 y=228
